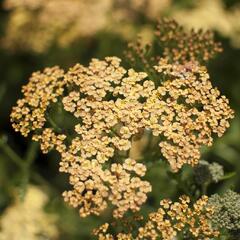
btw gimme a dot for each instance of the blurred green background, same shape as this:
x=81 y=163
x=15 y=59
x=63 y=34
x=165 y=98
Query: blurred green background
x=17 y=64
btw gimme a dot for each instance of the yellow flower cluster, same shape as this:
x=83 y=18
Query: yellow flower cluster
x=172 y=42
x=170 y=220
x=181 y=46
x=150 y=8
x=110 y=106
x=94 y=187
x=42 y=90
x=26 y=220
x=187 y=111
x=36 y=24
x=212 y=15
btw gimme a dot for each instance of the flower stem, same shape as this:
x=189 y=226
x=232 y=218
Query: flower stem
x=204 y=188
x=29 y=158
x=23 y=165
x=31 y=153
x=11 y=153
x=53 y=124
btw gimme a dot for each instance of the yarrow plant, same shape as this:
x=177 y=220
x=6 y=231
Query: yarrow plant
x=92 y=114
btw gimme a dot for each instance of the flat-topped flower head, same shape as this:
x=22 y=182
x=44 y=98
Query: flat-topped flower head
x=107 y=106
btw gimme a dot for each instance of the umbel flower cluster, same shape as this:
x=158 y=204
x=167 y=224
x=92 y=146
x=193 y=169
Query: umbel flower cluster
x=168 y=221
x=110 y=105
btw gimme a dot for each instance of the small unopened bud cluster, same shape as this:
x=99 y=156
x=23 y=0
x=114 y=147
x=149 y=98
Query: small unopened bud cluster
x=206 y=172
x=226 y=211
x=110 y=105
x=168 y=221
